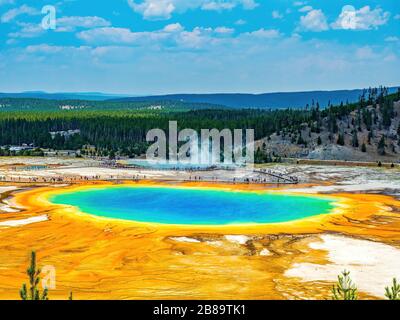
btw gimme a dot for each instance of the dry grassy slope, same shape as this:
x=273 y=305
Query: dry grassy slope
x=330 y=150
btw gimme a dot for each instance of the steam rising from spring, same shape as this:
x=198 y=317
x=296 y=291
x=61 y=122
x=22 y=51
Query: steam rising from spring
x=185 y=148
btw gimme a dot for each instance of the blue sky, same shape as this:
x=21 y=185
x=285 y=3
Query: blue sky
x=197 y=46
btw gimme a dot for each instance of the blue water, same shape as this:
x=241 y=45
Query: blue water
x=189 y=206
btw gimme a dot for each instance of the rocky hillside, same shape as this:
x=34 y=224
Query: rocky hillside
x=368 y=131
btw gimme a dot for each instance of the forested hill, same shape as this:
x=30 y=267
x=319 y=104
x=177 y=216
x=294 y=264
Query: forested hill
x=32 y=104
x=366 y=130
x=266 y=100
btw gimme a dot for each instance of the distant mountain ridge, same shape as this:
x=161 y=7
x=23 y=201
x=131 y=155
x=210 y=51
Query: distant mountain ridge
x=276 y=100
x=266 y=100
x=91 y=96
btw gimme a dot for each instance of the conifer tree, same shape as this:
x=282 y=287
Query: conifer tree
x=355 y=143
x=381 y=146
x=370 y=136
x=340 y=140
x=300 y=140
x=345 y=289
x=393 y=293
x=33 y=292
x=363 y=148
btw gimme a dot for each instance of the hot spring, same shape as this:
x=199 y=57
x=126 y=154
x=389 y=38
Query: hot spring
x=192 y=206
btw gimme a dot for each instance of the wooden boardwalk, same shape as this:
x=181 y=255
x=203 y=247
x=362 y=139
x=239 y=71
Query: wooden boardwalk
x=286 y=178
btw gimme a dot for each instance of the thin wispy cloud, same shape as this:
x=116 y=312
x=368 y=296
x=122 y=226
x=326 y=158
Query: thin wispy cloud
x=11 y=14
x=68 y=24
x=277 y=15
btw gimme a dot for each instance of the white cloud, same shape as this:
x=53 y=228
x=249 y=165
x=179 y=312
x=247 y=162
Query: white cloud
x=276 y=14
x=154 y=9
x=392 y=39
x=265 y=33
x=314 y=20
x=305 y=9
x=91 y=55
x=248 y=4
x=172 y=35
x=362 y=19
x=13 y=13
x=174 y=27
x=109 y=35
x=44 y=48
x=299 y=3
x=64 y=24
x=163 y=9
x=28 y=30
x=201 y=37
x=240 y=22
x=224 y=30
x=172 y=32
x=205 y=37
x=218 y=6
x=68 y=24
x=194 y=39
